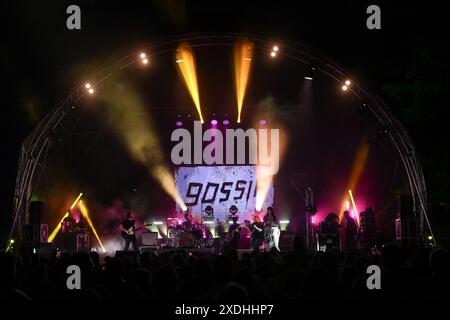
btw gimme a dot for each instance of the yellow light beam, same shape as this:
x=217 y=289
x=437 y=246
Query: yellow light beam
x=186 y=65
x=243 y=55
x=85 y=212
x=58 y=226
x=354 y=207
x=127 y=115
x=357 y=170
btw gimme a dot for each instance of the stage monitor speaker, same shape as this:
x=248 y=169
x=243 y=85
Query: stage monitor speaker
x=328 y=242
x=149 y=238
x=133 y=255
x=286 y=240
x=36 y=212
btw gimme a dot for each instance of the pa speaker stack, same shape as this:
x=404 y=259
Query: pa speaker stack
x=38 y=232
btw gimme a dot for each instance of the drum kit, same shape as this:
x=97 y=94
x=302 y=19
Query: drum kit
x=188 y=235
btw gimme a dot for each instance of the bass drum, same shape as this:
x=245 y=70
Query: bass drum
x=186 y=240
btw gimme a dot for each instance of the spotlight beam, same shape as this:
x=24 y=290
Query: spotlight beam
x=58 y=226
x=243 y=53
x=84 y=211
x=355 y=209
x=357 y=170
x=186 y=66
x=127 y=116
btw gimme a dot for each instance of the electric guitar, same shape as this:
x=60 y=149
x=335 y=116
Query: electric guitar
x=245 y=224
x=132 y=230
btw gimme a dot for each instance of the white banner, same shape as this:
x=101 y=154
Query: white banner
x=219 y=187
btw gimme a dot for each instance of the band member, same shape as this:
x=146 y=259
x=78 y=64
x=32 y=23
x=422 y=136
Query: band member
x=234 y=233
x=69 y=223
x=257 y=230
x=187 y=224
x=128 y=228
x=350 y=232
x=272 y=229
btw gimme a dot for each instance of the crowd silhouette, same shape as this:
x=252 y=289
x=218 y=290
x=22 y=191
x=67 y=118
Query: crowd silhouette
x=183 y=275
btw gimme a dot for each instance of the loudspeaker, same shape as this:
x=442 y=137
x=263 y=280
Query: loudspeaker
x=43 y=233
x=36 y=212
x=133 y=255
x=83 y=242
x=286 y=240
x=150 y=239
x=407 y=219
x=147 y=249
x=36 y=233
x=398 y=229
x=328 y=242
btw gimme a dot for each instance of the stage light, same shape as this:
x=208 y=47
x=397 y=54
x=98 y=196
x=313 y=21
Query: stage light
x=262 y=122
x=310 y=73
x=214 y=122
x=347 y=205
x=209 y=222
x=11 y=241
x=189 y=74
x=230 y=222
x=243 y=53
x=344 y=88
x=87 y=85
x=273 y=54
x=226 y=122
x=430 y=237
x=275 y=48
x=91 y=91
x=347 y=82
x=179 y=123
x=362 y=106
x=142 y=55
x=158 y=223
x=144 y=61
x=58 y=226
x=355 y=209
x=284 y=221
x=84 y=211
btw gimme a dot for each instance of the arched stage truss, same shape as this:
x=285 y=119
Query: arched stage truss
x=33 y=152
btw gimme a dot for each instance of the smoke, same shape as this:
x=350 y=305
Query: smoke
x=269 y=111
x=127 y=116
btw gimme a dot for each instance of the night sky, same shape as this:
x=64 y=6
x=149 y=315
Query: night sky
x=406 y=62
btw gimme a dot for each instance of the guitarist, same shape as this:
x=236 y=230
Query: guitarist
x=234 y=233
x=128 y=228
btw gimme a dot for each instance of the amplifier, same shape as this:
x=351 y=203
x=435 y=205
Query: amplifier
x=149 y=238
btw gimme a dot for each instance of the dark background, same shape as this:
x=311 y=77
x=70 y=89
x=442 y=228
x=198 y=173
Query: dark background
x=406 y=62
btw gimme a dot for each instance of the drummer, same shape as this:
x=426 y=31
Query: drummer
x=187 y=224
